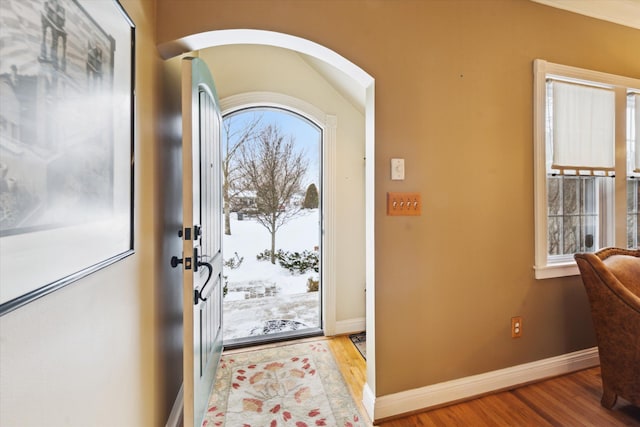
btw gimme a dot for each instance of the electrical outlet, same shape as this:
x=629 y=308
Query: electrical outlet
x=408 y=204
x=516 y=327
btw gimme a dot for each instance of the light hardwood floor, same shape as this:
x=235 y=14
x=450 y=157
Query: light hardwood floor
x=567 y=401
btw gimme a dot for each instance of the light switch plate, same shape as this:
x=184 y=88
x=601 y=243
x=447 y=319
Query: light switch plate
x=404 y=204
x=397 y=169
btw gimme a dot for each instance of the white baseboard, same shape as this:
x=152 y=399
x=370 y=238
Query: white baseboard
x=368 y=400
x=175 y=417
x=350 y=326
x=476 y=385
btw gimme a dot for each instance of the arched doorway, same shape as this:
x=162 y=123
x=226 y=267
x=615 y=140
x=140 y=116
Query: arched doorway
x=363 y=85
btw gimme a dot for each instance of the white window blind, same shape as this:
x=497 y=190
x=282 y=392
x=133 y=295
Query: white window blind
x=583 y=128
x=636 y=107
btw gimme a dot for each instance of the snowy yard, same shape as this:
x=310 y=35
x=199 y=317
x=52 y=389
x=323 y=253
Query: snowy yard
x=259 y=291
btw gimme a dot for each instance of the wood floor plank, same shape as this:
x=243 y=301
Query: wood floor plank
x=352 y=367
x=546 y=404
x=566 y=401
x=506 y=409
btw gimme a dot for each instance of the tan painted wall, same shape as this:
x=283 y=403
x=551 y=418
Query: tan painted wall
x=91 y=353
x=453 y=97
x=250 y=68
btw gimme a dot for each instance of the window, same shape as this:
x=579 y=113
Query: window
x=633 y=170
x=578 y=115
x=573 y=214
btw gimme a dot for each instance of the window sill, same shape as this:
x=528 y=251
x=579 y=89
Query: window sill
x=556 y=270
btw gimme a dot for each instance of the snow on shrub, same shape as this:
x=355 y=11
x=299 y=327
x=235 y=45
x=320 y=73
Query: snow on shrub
x=295 y=262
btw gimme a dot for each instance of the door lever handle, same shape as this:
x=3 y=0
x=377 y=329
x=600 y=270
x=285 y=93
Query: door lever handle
x=198 y=294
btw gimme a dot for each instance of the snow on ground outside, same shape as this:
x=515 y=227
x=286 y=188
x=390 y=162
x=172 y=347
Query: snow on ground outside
x=292 y=302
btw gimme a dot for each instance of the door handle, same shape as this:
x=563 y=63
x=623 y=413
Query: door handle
x=197 y=294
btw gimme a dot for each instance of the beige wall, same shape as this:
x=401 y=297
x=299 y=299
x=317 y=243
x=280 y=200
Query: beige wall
x=89 y=354
x=250 y=68
x=454 y=98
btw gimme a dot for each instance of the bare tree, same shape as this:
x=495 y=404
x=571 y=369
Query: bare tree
x=274 y=170
x=237 y=133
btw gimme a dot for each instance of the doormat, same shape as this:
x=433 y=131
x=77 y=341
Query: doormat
x=292 y=385
x=279 y=325
x=360 y=341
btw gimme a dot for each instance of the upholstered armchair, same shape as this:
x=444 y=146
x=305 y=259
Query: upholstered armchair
x=612 y=279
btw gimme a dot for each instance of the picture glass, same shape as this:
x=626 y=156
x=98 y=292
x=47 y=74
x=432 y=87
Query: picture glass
x=65 y=142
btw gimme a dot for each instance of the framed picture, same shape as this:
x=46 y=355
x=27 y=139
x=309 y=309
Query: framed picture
x=66 y=143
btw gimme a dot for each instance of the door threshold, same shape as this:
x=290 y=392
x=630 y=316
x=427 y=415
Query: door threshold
x=271 y=338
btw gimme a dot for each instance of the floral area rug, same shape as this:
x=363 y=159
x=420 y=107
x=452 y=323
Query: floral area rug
x=295 y=385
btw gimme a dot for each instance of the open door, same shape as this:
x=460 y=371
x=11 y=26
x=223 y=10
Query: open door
x=202 y=237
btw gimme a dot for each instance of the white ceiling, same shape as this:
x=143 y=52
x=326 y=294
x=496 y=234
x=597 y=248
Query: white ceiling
x=353 y=92
x=624 y=12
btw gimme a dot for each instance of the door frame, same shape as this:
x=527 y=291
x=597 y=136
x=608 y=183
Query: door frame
x=327 y=123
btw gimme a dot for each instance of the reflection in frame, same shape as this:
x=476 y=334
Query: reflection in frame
x=66 y=143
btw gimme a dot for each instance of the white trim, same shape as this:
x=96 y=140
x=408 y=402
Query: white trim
x=273 y=99
x=329 y=234
x=557 y=270
x=268 y=38
x=175 y=417
x=635 y=145
x=582 y=75
x=350 y=326
x=368 y=400
x=328 y=123
x=370 y=233
x=539 y=168
x=476 y=385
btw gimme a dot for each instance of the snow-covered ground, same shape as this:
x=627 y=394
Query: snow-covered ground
x=259 y=291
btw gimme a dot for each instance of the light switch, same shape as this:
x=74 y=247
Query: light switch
x=405 y=204
x=397 y=169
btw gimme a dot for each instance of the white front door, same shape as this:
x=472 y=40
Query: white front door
x=202 y=237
